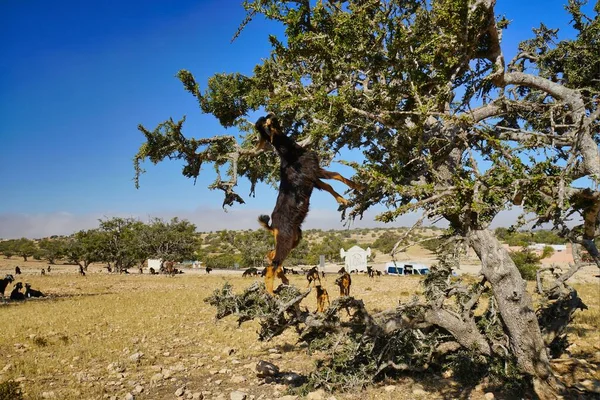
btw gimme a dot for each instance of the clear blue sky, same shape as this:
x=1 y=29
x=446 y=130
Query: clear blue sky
x=76 y=77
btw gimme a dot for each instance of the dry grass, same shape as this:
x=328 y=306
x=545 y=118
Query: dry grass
x=78 y=342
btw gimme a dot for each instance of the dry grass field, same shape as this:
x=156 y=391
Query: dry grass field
x=107 y=336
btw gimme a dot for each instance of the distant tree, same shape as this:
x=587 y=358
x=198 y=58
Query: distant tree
x=52 y=249
x=253 y=247
x=386 y=242
x=25 y=248
x=120 y=242
x=7 y=248
x=86 y=247
x=175 y=240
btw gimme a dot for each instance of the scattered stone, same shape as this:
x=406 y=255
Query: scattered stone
x=157 y=377
x=197 y=396
x=48 y=395
x=238 y=379
x=167 y=373
x=275 y=356
x=489 y=396
x=288 y=397
x=224 y=371
x=316 y=395
x=129 y=396
x=139 y=389
x=228 y=351
x=8 y=367
x=136 y=357
x=265 y=368
x=218 y=381
x=237 y=395
x=179 y=392
x=273 y=351
x=419 y=392
x=389 y=388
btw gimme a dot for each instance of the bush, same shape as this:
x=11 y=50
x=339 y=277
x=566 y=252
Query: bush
x=527 y=262
x=10 y=390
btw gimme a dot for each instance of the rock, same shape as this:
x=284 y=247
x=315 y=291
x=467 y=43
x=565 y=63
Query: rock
x=8 y=367
x=316 y=395
x=228 y=351
x=139 y=389
x=288 y=397
x=136 y=357
x=590 y=385
x=275 y=356
x=224 y=371
x=129 y=396
x=489 y=396
x=419 y=392
x=179 y=392
x=218 y=381
x=167 y=373
x=157 y=377
x=238 y=379
x=197 y=396
x=265 y=368
x=48 y=395
x=389 y=388
x=273 y=351
x=237 y=395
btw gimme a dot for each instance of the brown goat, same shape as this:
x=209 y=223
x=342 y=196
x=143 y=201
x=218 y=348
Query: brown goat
x=322 y=297
x=312 y=276
x=344 y=283
x=299 y=174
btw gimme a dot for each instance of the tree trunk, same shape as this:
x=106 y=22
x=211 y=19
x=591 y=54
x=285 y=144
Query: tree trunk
x=516 y=309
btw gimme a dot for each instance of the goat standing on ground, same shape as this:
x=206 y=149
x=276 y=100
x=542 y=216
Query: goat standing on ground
x=299 y=174
x=29 y=292
x=4 y=283
x=322 y=297
x=16 y=292
x=81 y=271
x=43 y=271
x=250 y=272
x=49 y=268
x=344 y=283
x=208 y=269
x=313 y=276
x=17 y=270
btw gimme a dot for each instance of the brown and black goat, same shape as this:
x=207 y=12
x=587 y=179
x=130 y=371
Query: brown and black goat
x=299 y=174
x=344 y=283
x=322 y=297
x=312 y=276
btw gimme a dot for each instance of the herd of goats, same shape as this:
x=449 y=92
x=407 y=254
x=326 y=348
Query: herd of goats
x=344 y=281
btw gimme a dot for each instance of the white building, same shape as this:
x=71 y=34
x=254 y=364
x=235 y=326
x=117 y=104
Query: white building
x=355 y=258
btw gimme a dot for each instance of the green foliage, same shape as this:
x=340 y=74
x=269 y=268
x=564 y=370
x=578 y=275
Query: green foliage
x=10 y=390
x=527 y=262
x=227 y=260
x=385 y=242
x=52 y=249
x=24 y=248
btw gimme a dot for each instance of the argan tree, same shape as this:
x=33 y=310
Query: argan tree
x=445 y=125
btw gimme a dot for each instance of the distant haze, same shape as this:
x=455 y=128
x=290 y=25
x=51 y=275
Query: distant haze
x=206 y=219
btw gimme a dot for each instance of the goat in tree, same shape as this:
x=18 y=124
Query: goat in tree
x=299 y=174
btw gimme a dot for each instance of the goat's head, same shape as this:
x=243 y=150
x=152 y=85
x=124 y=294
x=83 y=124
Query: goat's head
x=27 y=285
x=19 y=285
x=9 y=278
x=268 y=127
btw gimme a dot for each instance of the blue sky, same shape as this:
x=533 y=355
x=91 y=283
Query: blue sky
x=76 y=77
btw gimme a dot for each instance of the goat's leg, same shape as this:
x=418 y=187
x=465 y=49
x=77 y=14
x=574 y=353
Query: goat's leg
x=269 y=278
x=326 y=187
x=334 y=175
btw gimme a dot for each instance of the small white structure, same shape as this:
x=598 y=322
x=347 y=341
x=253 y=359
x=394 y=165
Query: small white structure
x=540 y=247
x=154 y=263
x=355 y=258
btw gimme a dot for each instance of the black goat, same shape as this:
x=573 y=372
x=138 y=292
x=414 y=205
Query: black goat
x=4 y=283
x=16 y=292
x=17 y=270
x=29 y=292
